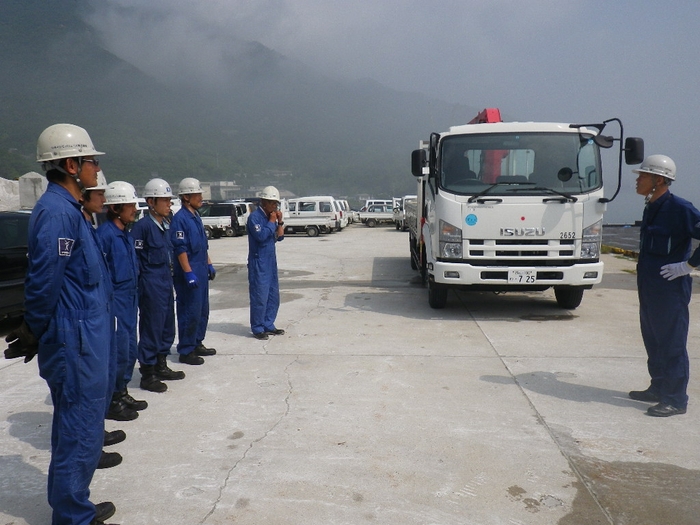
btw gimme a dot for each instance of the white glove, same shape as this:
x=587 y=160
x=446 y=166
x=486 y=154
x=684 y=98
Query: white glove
x=675 y=270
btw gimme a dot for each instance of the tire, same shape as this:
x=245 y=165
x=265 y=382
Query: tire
x=230 y=232
x=371 y=223
x=437 y=295
x=312 y=231
x=568 y=297
x=207 y=232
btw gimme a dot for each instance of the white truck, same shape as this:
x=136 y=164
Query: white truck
x=512 y=207
x=400 y=212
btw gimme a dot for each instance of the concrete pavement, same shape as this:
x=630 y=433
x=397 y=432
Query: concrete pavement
x=374 y=408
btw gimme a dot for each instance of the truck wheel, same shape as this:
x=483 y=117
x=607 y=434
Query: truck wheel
x=371 y=223
x=312 y=231
x=568 y=297
x=230 y=232
x=207 y=232
x=437 y=294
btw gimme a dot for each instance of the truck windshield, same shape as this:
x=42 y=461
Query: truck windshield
x=526 y=163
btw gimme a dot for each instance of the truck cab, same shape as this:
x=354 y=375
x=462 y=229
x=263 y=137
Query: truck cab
x=510 y=207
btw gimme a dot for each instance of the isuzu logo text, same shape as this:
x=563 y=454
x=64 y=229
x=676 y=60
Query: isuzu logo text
x=522 y=232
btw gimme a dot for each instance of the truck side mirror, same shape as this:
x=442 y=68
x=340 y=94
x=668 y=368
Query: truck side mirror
x=634 y=150
x=419 y=161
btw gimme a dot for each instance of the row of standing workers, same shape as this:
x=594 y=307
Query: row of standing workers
x=86 y=290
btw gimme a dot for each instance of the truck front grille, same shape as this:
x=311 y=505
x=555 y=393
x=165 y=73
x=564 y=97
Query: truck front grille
x=520 y=248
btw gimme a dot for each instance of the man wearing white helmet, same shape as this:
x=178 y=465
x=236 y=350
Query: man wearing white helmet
x=154 y=252
x=67 y=299
x=118 y=247
x=265 y=228
x=664 y=285
x=193 y=270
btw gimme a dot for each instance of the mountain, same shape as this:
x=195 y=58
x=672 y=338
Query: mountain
x=263 y=112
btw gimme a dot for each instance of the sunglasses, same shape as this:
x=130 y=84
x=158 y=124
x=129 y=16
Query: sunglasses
x=94 y=161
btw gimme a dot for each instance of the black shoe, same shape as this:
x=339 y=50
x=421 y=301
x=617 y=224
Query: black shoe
x=113 y=437
x=103 y=511
x=664 y=410
x=149 y=381
x=118 y=411
x=109 y=460
x=191 y=359
x=164 y=372
x=645 y=395
x=200 y=349
x=262 y=336
x=276 y=331
x=133 y=404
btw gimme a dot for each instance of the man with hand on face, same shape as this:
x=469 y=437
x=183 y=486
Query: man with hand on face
x=154 y=252
x=664 y=285
x=68 y=310
x=193 y=271
x=265 y=228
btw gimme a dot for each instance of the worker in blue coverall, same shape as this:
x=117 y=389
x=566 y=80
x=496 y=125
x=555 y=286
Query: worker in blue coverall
x=193 y=271
x=68 y=310
x=92 y=201
x=154 y=252
x=265 y=228
x=664 y=285
x=121 y=201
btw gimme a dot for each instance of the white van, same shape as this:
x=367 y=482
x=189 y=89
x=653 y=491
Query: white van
x=313 y=206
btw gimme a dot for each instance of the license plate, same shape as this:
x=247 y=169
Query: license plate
x=522 y=276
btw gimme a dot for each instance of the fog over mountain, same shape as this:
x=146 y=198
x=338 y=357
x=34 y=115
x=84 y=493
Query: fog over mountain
x=189 y=99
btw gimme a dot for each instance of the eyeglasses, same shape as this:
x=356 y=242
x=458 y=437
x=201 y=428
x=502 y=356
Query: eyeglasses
x=94 y=161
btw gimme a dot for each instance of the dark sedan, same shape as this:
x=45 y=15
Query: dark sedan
x=13 y=262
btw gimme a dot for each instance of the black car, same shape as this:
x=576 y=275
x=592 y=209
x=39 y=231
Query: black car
x=14 y=226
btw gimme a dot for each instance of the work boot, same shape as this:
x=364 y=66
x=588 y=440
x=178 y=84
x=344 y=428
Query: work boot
x=149 y=381
x=202 y=350
x=191 y=359
x=118 y=411
x=109 y=459
x=164 y=372
x=103 y=511
x=113 y=437
x=133 y=404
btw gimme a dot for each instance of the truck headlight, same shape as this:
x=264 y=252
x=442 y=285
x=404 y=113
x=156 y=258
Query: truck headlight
x=450 y=239
x=592 y=237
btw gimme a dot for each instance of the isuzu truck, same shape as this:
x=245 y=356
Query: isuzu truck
x=512 y=206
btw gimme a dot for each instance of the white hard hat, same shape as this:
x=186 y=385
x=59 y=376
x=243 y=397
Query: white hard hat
x=62 y=141
x=120 y=192
x=157 y=188
x=658 y=165
x=101 y=182
x=270 y=193
x=189 y=185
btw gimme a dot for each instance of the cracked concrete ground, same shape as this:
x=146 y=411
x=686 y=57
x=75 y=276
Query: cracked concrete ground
x=373 y=408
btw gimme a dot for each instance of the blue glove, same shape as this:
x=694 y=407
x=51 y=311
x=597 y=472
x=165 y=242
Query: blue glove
x=674 y=270
x=191 y=279
x=212 y=272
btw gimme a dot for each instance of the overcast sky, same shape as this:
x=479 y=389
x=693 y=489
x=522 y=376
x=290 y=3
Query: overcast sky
x=546 y=60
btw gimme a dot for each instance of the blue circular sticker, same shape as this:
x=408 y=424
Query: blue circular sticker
x=471 y=219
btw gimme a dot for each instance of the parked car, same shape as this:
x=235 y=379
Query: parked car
x=221 y=218
x=14 y=228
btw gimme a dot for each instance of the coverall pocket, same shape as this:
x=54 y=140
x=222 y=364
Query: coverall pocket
x=657 y=241
x=52 y=362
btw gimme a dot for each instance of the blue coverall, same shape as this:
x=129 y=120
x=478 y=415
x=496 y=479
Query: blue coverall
x=156 y=302
x=668 y=226
x=187 y=236
x=67 y=299
x=118 y=248
x=263 y=283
